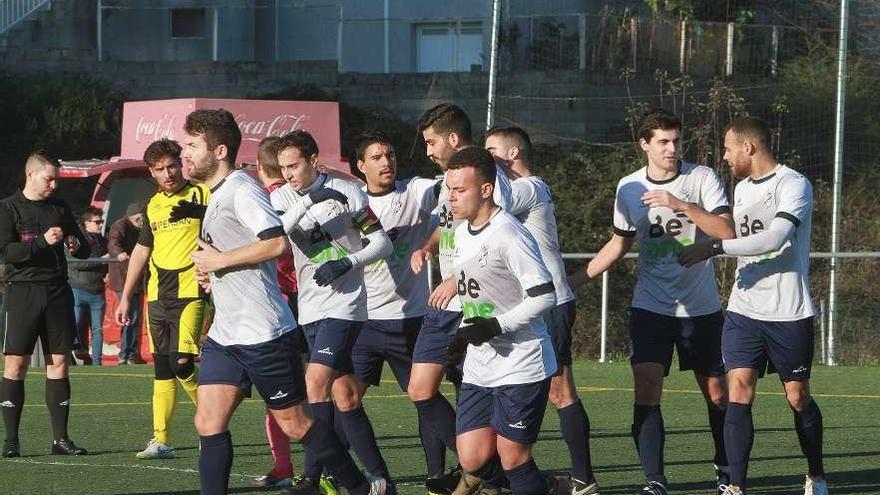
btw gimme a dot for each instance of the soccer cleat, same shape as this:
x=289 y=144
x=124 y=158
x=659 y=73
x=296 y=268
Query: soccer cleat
x=443 y=483
x=11 y=448
x=730 y=490
x=722 y=478
x=302 y=486
x=815 y=486
x=578 y=487
x=156 y=450
x=65 y=446
x=327 y=485
x=378 y=486
x=270 y=479
x=468 y=484
x=654 y=488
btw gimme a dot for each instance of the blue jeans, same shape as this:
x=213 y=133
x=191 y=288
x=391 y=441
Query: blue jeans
x=95 y=303
x=128 y=334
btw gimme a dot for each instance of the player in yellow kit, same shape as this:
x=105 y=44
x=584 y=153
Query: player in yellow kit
x=175 y=301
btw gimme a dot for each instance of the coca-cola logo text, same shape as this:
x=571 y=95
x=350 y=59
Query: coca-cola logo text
x=154 y=130
x=257 y=130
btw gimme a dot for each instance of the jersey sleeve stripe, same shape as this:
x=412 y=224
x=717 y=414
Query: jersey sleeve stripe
x=788 y=216
x=271 y=233
x=624 y=233
x=540 y=290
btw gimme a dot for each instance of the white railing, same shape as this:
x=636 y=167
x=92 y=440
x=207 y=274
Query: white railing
x=14 y=11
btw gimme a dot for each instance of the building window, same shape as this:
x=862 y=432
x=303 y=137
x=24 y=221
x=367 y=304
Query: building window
x=449 y=47
x=189 y=23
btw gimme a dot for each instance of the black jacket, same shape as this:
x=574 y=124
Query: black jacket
x=29 y=258
x=90 y=276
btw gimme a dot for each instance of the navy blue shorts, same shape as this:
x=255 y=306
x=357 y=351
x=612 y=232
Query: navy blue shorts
x=385 y=340
x=438 y=329
x=785 y=347
x=697 y=340
x=330 y=342
x=514 y=411
x=274 y=367
x=560 y=321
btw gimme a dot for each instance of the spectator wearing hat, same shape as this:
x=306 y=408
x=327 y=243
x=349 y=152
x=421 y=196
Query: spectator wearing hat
x=123 y=236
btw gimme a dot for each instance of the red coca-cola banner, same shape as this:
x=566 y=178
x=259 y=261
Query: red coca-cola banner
x=146 y=121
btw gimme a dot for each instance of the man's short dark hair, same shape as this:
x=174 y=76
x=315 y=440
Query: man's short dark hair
x=218 y=127
x=445 y=118
x=267 y=155
x=368 y=139
x=477 y=158
x=751 y=128
x=160 y=149
x=657 y=118
x=42 y=158
x=301 y=140
x=515 y=133
x=92 y=212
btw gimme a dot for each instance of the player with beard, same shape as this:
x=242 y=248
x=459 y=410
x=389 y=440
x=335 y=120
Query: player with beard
x=250 y=342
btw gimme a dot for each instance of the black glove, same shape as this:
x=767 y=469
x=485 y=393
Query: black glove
x=689 y=256
x=331 y=270
x=478 y=331
x=187 y=209
x=325 y=193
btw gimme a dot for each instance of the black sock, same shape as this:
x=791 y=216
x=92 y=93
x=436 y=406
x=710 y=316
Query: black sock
x=490 y=470
x=58 y=402
x=526 y=479
x=325 y=446
x=575 y=426
x=215 y=461
x=339 y=429
x=11 y=402
x=649 y=434
x=312 y=468
x=363 y=441
x=739 y=434
x=435 y=450
x=716 y=424
x=808 y=424
x=438 y=412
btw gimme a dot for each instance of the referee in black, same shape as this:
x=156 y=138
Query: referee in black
x=35 y=231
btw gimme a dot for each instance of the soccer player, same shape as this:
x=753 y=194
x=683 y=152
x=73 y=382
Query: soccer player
x=251 y=338
x=270 y=175
x=396 y=297
x=39 y=301
x=533 y=206
x=175 y=301
x=446 y=129
x=504 y=288
x=335 y=235
x=769 y=321
x=665 y=205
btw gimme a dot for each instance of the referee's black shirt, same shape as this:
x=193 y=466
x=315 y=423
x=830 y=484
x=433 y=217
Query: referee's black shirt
x=28 y=257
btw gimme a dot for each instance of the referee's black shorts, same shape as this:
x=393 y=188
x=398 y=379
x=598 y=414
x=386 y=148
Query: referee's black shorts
x=43 y=310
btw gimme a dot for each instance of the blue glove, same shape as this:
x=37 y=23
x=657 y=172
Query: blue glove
x=478 y=331
x=187 y=209
x=689 y=256
x=325 y=193
x=331 y=270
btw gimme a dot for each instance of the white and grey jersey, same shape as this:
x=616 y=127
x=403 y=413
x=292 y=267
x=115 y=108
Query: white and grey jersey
x=328 y=231
x=448 y=225
x=249 y=308
x=774 y=286
x=532 y=204
x=394 y=291
x=500 y=272
x=663 y=285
